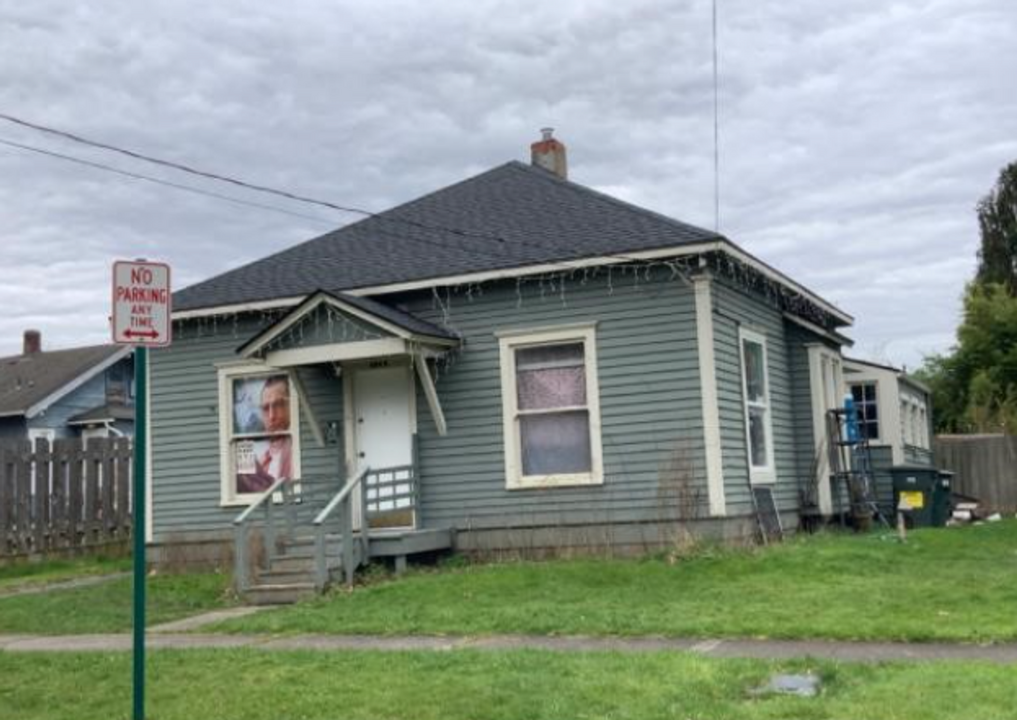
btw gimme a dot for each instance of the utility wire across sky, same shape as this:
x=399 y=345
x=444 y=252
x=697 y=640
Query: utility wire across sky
x=503 y=244
x=159 y=181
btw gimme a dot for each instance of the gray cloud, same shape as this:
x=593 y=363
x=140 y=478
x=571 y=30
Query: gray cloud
x=856 y=137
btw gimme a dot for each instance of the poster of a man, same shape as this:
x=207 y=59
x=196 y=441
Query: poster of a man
x=261 y=412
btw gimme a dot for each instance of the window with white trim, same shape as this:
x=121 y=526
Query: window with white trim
x=551 y=407
x=867 y=405
x=756 y=394
x=259 y=431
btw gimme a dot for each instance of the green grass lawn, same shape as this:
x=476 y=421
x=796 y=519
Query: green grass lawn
x=107 y=607
x=26 y=574
x=475 y=685
x=945 y=584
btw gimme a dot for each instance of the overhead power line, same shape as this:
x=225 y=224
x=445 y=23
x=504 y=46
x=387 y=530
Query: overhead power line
x=144 y=157
x=180 y=166
x=159 y=181
x=383 y=217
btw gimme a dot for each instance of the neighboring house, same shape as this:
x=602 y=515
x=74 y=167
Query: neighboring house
x=549 y=366
x=895 y=410
x=79 y=392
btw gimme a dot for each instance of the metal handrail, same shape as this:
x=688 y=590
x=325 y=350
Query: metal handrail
x=340 y=496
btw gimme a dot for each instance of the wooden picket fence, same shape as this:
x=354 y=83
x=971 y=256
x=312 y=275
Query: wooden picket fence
x=64 y=496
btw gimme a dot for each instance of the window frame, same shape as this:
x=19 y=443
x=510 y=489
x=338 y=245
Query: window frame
x=228 y=497
x=511 y=340
x=863 y=420
x=758 y=474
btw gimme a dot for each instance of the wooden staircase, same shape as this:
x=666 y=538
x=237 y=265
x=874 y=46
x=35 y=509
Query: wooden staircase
x=291 y=573
x=307 y=532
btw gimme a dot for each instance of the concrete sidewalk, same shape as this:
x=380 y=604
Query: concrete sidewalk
x=760 y=649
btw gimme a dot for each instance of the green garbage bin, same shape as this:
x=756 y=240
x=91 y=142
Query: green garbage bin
x=942 y=499
x=922 y=487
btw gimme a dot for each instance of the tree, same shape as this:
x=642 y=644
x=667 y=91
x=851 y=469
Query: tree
x=974 y=387
x=997 y=219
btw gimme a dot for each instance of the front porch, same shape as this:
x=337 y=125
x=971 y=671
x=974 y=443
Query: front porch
x=312 y=530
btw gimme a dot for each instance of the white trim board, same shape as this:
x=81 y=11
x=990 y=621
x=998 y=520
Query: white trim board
x=338 y=352
x=721 y=245
x=817 y=352
x=508 y=343
x=758 y=474
x=708 y=387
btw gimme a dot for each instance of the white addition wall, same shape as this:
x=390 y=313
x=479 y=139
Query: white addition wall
x=902 y=407
x=888 y=405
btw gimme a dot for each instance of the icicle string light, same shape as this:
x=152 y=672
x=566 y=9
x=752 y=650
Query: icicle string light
x=333 y=326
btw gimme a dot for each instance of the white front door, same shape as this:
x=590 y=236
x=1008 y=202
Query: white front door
x=383 y=416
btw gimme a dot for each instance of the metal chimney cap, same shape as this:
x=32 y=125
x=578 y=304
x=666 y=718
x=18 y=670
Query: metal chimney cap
x=547 y=132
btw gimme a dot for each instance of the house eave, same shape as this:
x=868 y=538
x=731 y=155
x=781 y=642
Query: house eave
x=721 y=245
x=321 y=297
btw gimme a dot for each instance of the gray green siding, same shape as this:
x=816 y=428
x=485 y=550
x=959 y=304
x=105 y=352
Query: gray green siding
x=649 y=389
x=186 y=483
x=798 y=341
x=790 y=404
x=649 y=396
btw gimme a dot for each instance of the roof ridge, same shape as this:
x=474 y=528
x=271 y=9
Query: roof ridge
x=549 y=176
x=50 y=353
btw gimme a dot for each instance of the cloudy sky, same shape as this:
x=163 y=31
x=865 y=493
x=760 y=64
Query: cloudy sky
x=856 y=137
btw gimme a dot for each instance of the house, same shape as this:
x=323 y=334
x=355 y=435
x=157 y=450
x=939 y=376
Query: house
x=77 y=392
x=521 y=362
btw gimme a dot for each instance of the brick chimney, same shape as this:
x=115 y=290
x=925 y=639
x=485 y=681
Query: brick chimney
x=549 y=154
x=33 y=342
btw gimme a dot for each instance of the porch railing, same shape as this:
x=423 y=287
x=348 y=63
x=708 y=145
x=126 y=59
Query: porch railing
x=337 y=515
x=282 y=510
x=325 y=511
x=390 y=491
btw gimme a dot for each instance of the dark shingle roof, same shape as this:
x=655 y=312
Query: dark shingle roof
x=512 y=216
x=397 y=317
x=27 y=379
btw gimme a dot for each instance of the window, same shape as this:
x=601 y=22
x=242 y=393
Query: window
x=259 y=431
x=864 y=395
x=756 y=392
x=551 y=407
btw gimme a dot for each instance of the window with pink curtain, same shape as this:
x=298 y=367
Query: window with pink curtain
x=554 y=419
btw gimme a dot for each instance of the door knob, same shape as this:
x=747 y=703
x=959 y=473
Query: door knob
x=361 y=454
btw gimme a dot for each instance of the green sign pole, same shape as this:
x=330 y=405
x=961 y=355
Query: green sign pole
x=140 y=474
